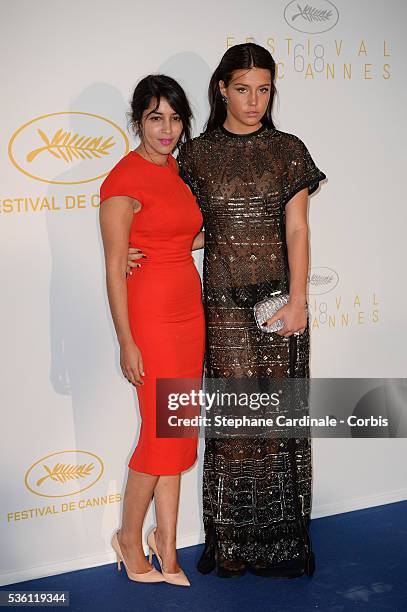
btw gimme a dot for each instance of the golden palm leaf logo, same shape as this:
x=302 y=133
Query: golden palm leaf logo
x=52 y=148
x=62 y=472
x=64 y=145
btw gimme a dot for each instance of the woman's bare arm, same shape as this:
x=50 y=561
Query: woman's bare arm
x=298 y=246
x=294 y=312
x=116 y=216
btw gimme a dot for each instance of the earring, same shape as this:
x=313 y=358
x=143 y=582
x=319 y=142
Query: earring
x=224 y=98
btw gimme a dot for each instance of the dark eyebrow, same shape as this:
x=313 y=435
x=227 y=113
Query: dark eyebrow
x=246 y=85
x=153 y=112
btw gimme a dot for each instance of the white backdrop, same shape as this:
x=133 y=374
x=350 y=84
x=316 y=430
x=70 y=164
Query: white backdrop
x=69 y=419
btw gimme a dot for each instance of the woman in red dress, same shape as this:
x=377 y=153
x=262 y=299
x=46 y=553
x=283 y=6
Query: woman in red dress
x=157 y=312
x=252 y=182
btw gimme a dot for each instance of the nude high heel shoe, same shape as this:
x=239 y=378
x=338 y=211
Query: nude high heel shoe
x=179 y=579
x=152 y=576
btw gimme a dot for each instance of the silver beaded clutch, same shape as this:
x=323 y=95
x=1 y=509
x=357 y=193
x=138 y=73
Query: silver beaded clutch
x=266 y=308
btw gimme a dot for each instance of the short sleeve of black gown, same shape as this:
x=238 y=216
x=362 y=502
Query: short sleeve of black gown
x=301 y=170
x=186 y=167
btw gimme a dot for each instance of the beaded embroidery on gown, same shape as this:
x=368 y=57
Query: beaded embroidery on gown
x=242 y=184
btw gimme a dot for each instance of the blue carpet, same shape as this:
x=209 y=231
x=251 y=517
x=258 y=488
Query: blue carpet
x=361 y=562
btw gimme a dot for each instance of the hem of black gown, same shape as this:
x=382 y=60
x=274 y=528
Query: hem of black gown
x=292 y=568
x=287 y=569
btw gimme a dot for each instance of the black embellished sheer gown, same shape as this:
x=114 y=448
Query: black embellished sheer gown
x=257 y=490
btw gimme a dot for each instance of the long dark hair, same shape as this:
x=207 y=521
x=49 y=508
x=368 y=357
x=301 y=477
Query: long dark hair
x=161 y=86
x=239 y=57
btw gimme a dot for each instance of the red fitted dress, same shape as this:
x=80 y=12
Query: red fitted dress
x=164 y=297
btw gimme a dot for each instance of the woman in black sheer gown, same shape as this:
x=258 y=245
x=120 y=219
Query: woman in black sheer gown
x=252 y=183
x=256 y=491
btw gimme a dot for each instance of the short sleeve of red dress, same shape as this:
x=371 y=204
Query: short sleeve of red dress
x=122 y=180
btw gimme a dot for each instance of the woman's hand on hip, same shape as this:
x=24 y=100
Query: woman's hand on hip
x=294 y=317
x=133 y=256
x=131 y=362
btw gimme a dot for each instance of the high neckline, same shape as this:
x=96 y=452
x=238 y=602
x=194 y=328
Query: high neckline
x=151 y=163
x=242 y=136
